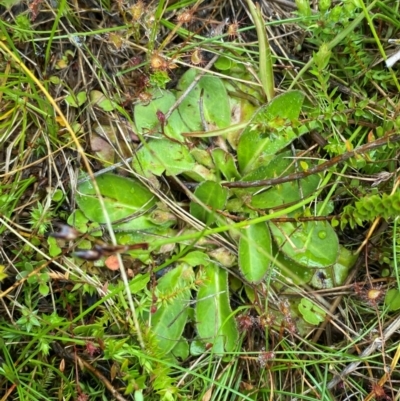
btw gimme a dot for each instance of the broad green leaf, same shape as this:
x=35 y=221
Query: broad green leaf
x=44 y=289
x=242 y=109
x=173 y=290
x=197 y=348
x=146 y=119
x=139 y=282
x=161 y=155
x=195 y=258
x=212 y=195
x=200 y=174
x=293 y=272
x=223 y=63
x=203 y=157
x=181 y=350
x=122 y=198
x=54 y=248
x=271 y=129
x=225 y=164
x=255 y=252
x=214 y=321
x=76 y=100
x=211 y=92
x=392 y=299
x=281 y=165
x=313 y=244
x=78 y=220
x=337 y=274
x=311 y=312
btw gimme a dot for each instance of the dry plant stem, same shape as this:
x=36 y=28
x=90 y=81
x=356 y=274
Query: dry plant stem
x=89 y=169
x=45 y=264
x=10 y=390
x=337 y=301
x=390 y=330
x=386 y=376
x=190 y=87
x=317 y=169
x=348 y=281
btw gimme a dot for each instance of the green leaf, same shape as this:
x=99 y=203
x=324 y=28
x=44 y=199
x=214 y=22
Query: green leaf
x=214 y=321
x=211 y=92
x=271 y=129
x=54 y=249
x=78 y=220
x=313 y=244
x=146 y=119
x=10 y=3
x=225 y=163
x=285 y=193
x=211 y=194
x=223 y=63
x=163 y=155
x=392 y=299
x=181 y=350
x=76 y=101
x=197 y=348
x=44 y=289
x=139 y=283
x=337 y=274
x=294 y=273
x=195 y=258
x=169 y=320
x=255 y=252
x=3 y=274
x=311 y=312
x=122 y=198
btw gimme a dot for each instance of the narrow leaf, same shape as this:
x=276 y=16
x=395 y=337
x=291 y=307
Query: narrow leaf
x=214 y=320
x=211 y=194
x=169 y=320
x=255 y=252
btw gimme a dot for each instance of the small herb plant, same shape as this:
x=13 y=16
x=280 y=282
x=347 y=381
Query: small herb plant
x=242 y=238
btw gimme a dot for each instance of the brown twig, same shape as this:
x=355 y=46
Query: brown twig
x=317 y=169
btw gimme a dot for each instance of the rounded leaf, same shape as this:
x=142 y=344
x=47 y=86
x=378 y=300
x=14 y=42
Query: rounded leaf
x=122 y=197
x=163 y=155
x=312 y=244
x=311 y=312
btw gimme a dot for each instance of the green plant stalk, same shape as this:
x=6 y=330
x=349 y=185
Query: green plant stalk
x=334 y=42
x=60 y=13
x=395 y=265
x=217 y=132
x=378 y=42
x=86 y=162
x=265 y=64
x=162 y=5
